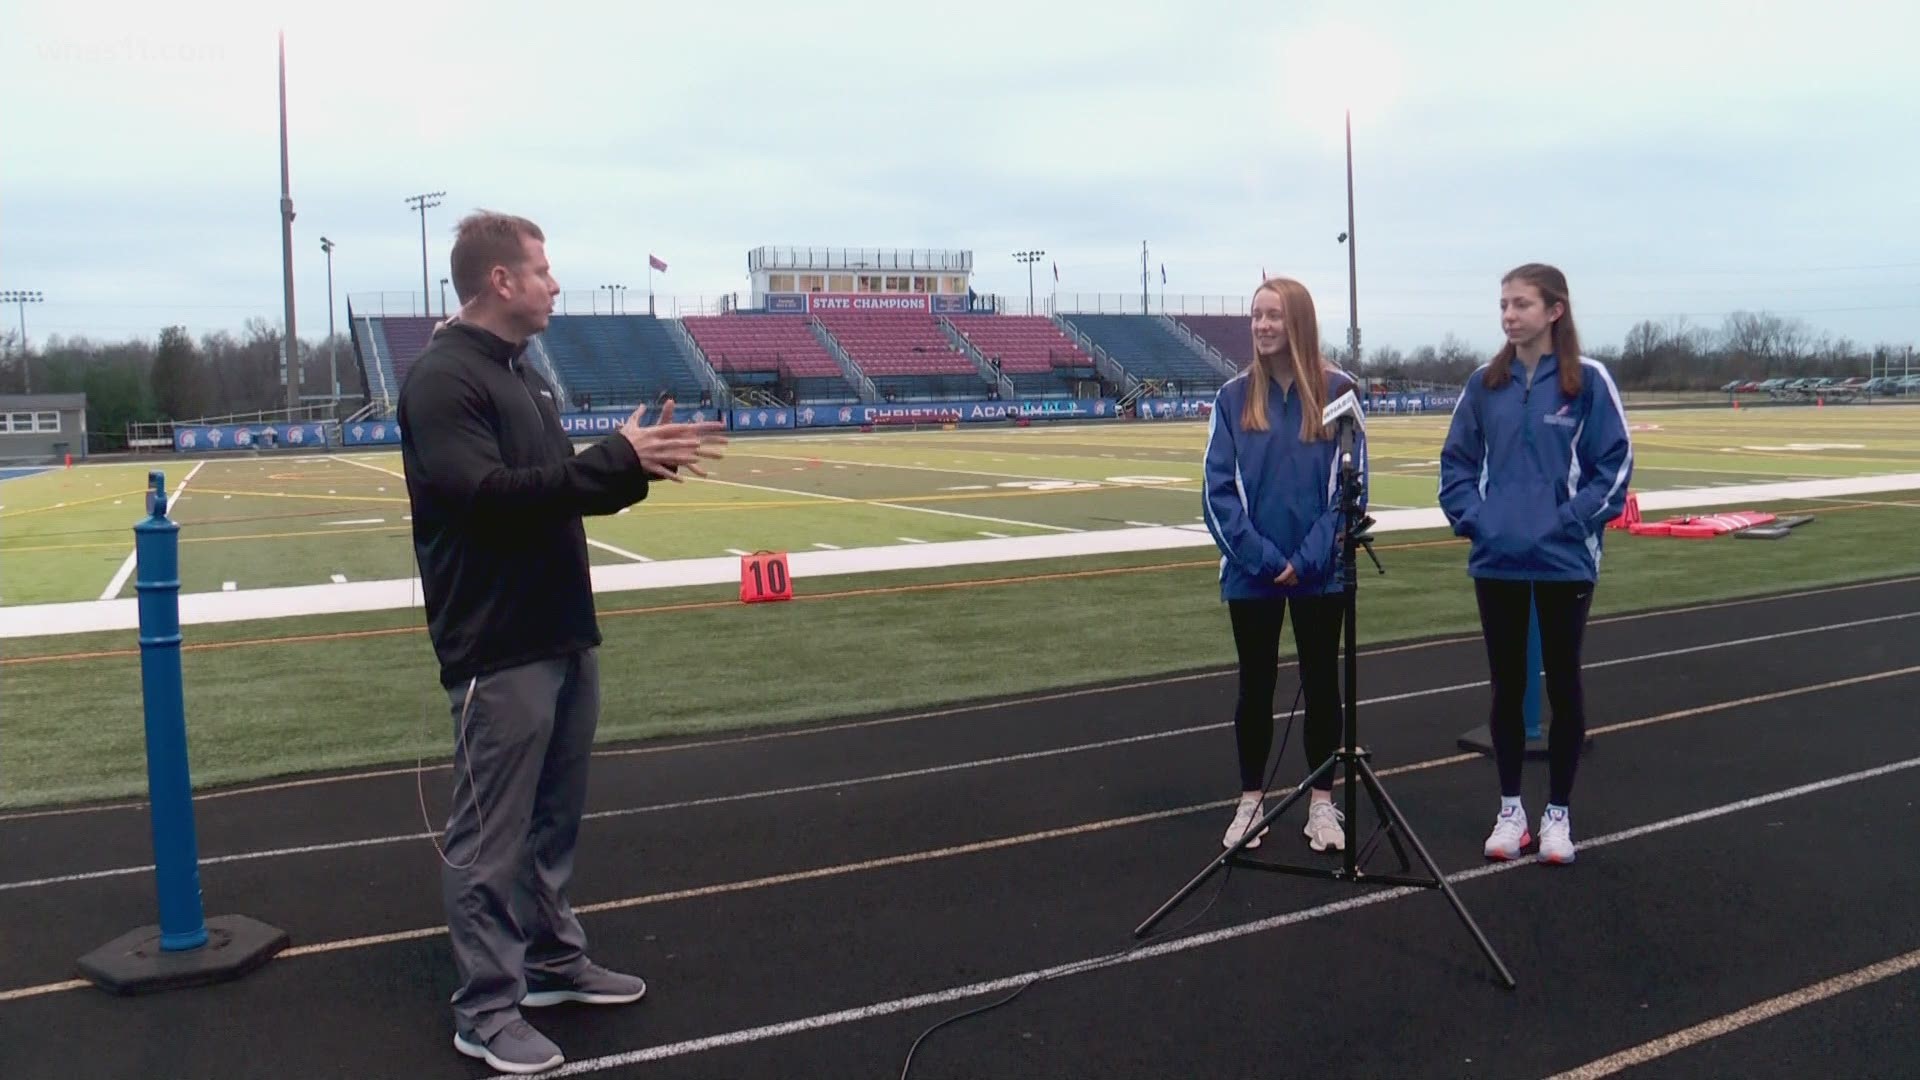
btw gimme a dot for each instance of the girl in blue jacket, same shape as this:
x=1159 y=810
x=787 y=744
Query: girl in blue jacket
x=1272 y=504
x=1536 y=463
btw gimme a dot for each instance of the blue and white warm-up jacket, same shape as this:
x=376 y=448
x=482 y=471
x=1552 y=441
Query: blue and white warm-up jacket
x=1532 y=477
x=1271 y=500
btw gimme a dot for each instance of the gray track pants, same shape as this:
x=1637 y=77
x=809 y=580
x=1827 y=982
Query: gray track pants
x=520 y=784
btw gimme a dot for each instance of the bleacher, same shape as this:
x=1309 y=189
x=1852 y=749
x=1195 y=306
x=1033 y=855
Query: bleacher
x=749 y=349
x=1150 y=349
x=906 y=354
x=407 y=337
x=618 y=360
x=1035 y=356
x=1231 y=334
x=376 y=360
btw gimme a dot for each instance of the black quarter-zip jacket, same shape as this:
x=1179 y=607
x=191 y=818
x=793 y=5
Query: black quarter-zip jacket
x=498 y=495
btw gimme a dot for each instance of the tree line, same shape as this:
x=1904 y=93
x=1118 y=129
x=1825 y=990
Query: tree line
x=1671 y=355
x=175 y=376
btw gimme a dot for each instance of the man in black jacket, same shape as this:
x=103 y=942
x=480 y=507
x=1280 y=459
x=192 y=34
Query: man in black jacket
x=498 y=495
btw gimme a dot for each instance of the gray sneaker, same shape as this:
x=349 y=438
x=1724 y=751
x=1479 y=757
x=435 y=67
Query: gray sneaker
x=516 y=1048
x=594 y=986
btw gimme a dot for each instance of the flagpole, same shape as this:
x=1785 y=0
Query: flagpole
x=650 y=310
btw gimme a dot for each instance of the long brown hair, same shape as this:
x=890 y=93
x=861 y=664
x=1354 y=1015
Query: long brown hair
x=1309 y=367
x=1552 y=285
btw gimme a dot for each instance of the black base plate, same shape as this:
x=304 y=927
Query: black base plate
x=134 y=963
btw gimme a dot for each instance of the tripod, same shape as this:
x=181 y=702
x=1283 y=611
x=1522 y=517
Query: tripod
x=1392 y=823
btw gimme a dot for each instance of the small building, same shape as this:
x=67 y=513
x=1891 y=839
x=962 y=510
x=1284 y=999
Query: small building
x=42 y=427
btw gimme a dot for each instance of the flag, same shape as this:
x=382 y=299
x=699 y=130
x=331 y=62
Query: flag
x=654 y=261
x=1163 y=273
x=1056 y=271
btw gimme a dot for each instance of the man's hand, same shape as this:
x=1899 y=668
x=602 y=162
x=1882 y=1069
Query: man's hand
x=1287 y=577
x=666 y=447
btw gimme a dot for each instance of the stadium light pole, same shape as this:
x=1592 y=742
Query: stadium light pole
x=613 y=296
x=290 y=343
x=20 y=299
x=1029 y=257
x=333 y=368
x=443 y=296
x=423 y=202
x=1353 y=273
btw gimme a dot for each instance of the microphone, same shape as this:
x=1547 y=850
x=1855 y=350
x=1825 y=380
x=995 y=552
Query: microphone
x=1343 y=406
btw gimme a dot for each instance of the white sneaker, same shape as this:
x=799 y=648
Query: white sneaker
x=1324 y=829
x=1244 y=815
x=1556 y=838
x=1509 y=834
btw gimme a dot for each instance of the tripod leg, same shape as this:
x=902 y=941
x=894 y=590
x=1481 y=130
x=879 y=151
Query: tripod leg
x=1387 y=823
x=1399 y=821
x=1220 y=860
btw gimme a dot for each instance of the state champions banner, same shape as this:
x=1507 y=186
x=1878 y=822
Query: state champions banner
x=871 y=303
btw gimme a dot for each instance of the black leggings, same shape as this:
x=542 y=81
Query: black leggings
x=1316 y=639
x=1562 y=607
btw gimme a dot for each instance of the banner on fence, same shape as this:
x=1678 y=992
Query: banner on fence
x=964 y=412
x=201 y=438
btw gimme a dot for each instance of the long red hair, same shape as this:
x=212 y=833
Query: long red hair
x=1303 y=354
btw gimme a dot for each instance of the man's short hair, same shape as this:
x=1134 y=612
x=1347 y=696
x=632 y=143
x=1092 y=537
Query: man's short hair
x=483 y=240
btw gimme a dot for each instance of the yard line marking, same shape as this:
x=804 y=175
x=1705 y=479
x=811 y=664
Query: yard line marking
x=736 y=551
x=375 y=468
x=909 y=540
x=121 y=575
x=1144 y=524
x=623 y=552
x=360 y=521
x=919 y=467
x=889 y=505
x=339 y=579
x=995 y=535
x=829 y=547
x=227 y=586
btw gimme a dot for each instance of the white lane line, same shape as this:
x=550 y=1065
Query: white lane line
x=978 y=763
x=622 y=552
x=963 y=710
x=121 y=575
x=820 y=1021
x=1734 y=1021
x=1066 y=831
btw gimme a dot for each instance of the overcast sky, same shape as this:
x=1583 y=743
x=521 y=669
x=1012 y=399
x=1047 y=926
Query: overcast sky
x=1679 y=156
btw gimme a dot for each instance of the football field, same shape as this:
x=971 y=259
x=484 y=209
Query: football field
x=252 y=522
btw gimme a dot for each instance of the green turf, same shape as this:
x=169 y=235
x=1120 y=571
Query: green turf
x=284 y=520
x=73 y=727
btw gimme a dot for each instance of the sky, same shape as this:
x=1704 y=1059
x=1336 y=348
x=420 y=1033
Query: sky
x=1675 y=159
